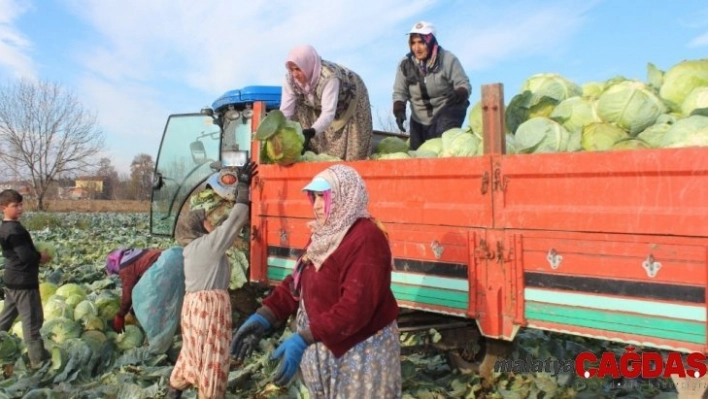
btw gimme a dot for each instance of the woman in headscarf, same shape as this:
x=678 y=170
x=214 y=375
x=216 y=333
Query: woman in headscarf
x=347 y=339
x=130 y=264
x=206 y=312
x=331 y=103
x=435 y=84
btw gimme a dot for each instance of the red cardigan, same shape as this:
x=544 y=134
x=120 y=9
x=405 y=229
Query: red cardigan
x=130 y=275
x=349 y=299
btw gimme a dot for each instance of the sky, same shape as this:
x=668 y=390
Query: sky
x=135 y=62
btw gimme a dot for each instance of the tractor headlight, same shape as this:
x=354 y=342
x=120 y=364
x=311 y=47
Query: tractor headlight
x=234 y=158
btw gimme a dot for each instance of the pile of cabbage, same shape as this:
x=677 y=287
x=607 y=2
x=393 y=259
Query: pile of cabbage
x=554 y=114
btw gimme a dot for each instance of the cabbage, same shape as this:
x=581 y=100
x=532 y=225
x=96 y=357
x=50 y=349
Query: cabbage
x=46 y=289
x=655 y=77
x=69 y=289
x=108 y=305
x=654 y=134
x=433 y=145
x=9 y=348
x=91 y=322
x=630 y=144
x=85 y=308
x=682 y=78
x=630 y=105
x=285 y=146
x=395 y=155
x=539 y=95
x=422 y=154
x=239 y=268
x=541 y=135
x=310 y=156
x=696 y=103
x=575 y=112
x=389 y=145
x=60 y=329
x=592 y=89
x=457 y=142
x=510 y=141
x=575 y=141
x=601 y=136
x=475 y=118
x=688 y=132
x=133 y=337
x=47 y=248
x=74 y=299
x=56 y=307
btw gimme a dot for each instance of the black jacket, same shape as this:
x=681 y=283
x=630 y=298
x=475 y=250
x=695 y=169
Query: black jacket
x=21 y=257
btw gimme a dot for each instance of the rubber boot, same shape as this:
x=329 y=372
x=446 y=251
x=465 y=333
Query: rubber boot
x=173 y=393
x=36 y=353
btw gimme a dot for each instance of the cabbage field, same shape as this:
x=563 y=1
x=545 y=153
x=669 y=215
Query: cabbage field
x=89 y=360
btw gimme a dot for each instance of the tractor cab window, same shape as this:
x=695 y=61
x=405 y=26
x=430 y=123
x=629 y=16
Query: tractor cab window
x=190 y=143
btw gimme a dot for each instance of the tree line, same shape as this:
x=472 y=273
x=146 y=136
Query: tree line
x=48 y=138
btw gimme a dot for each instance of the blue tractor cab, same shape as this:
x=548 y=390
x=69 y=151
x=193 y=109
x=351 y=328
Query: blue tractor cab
x=204 y=147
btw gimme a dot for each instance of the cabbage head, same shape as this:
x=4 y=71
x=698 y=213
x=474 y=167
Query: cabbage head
x=540 y=134
x=310 y=156
x=395 y=155
x=592 y=89
x=688 y=132
x=60 y=329
x=91 y=322
x=85 y=308
x=630 y=105
x=681 y=79
x=575 y=112
x=538 y=97
x=132 y=337
x=9 y=348
x=285 y=146
x=457 y=142
x=46 y=289
x=47 y=248
x=631 y=144
x=239 y=268
x=696 y=103
x=389 y=145
x=74 y=299
x=510 y=142
x=69 y=289
x=433 y=145
x=601 y=136
x=654 y=134
x=108 y=305
x=422 y=154
x=56 y=307
x=475 y=118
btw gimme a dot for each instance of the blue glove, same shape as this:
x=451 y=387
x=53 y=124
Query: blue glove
x=291 y=350
x=247 y=337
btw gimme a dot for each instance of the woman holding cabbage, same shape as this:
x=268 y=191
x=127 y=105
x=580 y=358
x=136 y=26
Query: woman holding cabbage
x=331 y=103
x=435 y=84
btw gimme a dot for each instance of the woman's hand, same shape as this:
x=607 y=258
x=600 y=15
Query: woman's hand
x=291 y=350
x=248 y=336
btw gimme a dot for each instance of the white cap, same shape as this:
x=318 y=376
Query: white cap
x=423 y=28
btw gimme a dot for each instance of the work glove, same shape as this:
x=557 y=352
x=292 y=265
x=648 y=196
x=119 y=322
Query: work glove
x=248 y=335
x=460 y=95
x=245 y=174
x=291 y=350
x=118 y=324
x=399 y=111
x=309 y=133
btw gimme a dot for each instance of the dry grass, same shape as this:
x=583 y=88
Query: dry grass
x=93 y=206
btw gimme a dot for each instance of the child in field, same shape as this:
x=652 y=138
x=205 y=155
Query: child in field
x=21 y=277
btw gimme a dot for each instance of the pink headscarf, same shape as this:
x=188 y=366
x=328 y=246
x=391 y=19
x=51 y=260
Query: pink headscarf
x=307 y=59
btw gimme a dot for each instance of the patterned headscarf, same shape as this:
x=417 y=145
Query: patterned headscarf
x=307 y=59
x=349 y=202
x=431 y=63
x=191 y=227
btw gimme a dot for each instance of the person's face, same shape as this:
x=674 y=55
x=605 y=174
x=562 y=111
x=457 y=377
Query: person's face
x=208 y=226
x=297 y=73
x=318 y=206
x=418 y=47
x=12 y=211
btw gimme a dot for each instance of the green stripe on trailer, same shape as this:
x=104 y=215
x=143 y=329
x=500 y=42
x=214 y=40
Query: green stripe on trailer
x=650 y=326
x=601 y=302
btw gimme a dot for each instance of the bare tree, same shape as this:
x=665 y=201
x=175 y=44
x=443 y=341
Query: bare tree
x=387 y=123
x=141 y=170
x=110 y=177
x=45 y=132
